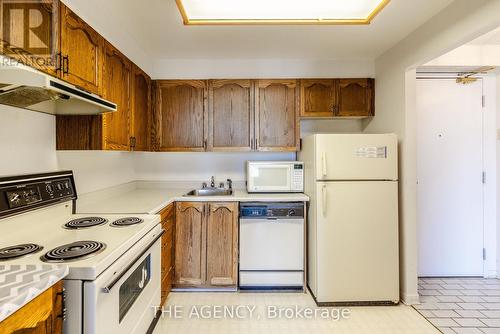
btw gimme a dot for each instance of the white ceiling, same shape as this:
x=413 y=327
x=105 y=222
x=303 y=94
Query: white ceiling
x=156 y=28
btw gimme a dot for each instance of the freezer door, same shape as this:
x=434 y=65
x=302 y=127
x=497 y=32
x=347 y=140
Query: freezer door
x=357 y=241
x=356 y=157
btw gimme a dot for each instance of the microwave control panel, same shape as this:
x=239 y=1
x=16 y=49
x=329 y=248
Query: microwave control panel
x=298 y=177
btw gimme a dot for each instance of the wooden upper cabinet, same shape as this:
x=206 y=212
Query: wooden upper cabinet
x=190 y=244
x=222 y=244
x=276 y=113
x=141 y=109
x=318 y=97
x=181 y=115
x=117 y=88
x=231 y=111
x=33 y=46
x=82 y=52
x=356 y=98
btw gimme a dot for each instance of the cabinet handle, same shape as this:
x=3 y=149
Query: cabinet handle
x=63 y=304
x=133 y=142
x=205 y=144
x=256 y=144
x=65 y=64
x=58 y=62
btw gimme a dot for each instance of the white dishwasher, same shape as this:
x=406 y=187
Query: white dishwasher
x=271 y=246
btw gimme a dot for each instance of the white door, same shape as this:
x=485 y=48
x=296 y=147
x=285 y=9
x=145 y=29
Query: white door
x=356 y=157
x=357 y=241
x=449 y=172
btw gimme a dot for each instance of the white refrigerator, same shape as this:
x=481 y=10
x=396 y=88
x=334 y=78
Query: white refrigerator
x=352 y=182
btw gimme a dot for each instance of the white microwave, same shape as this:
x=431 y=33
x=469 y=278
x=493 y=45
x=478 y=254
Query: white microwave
x=275 y=176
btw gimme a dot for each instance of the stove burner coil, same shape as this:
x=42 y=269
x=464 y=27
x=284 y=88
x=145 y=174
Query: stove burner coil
x=74 y=251
x=17 y=251
x=85 y=222
x=126 y=222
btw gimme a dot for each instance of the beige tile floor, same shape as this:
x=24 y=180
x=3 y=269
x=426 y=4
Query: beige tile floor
x=461 y=305
x=362 y=320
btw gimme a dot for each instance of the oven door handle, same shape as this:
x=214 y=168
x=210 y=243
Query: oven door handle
x=108 y=287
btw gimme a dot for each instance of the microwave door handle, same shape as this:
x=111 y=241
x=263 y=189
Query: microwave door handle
x=107 y=288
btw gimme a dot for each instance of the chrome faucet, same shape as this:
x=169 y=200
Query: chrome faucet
x=230 y=184
x=212 y=182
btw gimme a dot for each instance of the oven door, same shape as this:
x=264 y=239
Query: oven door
x=269 y=177
x=122 y=299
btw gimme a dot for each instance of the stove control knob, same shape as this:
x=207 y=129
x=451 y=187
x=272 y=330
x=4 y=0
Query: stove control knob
x=291 y=212
x=66 y=185
x=50 y=188
x=59 y=186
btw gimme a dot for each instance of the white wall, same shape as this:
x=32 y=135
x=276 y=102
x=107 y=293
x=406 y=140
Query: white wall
x=27 y=142
x=456 y=25
x=469 y=55
x=96 y=170
x=261 y=68
x=198 y=166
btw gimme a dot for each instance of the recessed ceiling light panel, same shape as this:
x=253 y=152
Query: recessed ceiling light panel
x=279 y=11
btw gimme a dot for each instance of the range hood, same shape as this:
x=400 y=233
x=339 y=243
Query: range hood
x=24 y=87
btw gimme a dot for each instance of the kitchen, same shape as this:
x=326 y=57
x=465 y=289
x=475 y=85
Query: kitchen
x=170 y=176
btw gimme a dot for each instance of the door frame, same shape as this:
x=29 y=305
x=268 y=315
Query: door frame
x=489 y=166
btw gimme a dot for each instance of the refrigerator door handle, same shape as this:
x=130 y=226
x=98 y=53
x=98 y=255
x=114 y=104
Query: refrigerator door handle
x=323 y=163
x=323 y=200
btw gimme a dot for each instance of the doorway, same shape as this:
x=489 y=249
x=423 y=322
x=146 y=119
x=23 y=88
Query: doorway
x=450 y=178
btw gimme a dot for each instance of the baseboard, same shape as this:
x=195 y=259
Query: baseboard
x=410 y=299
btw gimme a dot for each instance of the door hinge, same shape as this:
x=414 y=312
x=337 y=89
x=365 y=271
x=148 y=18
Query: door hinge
x=483 y=101
x=484 y=178
x=484 y=254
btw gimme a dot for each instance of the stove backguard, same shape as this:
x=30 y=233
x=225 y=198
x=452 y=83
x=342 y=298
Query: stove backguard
x=19 y=194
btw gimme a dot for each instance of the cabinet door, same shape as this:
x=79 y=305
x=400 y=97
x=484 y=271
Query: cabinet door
x=43 y=315
x=82 y=51
x=276 y=113
x=190 y=244
x=141 y=109
x=222 y=244
x=181 y=115
x=318 y=98
x=231 y=112
x=356 y=98
x=30 y=33
x=116 y=125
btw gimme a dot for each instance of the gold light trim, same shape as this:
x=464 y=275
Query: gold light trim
x=367 y=20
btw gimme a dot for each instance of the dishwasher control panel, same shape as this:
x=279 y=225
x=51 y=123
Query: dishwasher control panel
x=272 y=210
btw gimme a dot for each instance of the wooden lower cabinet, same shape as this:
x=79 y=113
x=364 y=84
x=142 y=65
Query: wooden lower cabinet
x=43 y=315
x=206 y=244
x=167 y=251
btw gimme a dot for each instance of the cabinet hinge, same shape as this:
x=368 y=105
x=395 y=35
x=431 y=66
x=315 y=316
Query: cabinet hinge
x=484 y=178
x=484 y=254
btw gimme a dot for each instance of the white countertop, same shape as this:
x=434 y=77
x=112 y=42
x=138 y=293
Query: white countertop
x=149 y=197
x=20 y=284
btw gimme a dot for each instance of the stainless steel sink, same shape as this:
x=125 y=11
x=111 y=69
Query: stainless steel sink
x=210 y=192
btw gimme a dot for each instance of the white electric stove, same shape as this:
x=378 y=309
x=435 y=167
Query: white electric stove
x=114 y=262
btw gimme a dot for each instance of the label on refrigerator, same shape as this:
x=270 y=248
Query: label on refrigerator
x=374 y=152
